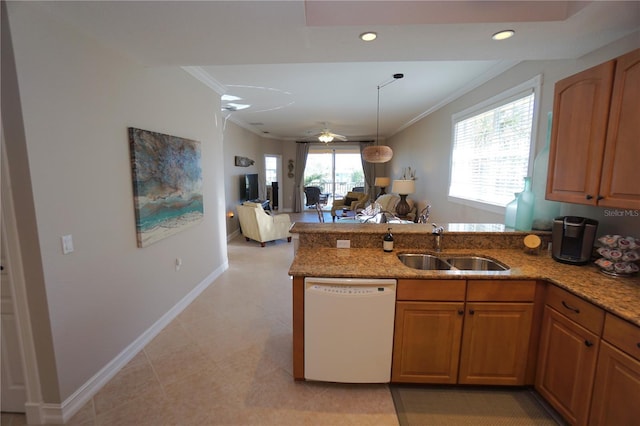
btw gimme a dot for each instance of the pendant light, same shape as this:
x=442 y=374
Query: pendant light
x=379 y=153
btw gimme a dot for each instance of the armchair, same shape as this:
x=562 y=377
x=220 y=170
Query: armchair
x=312 y=194
x=257 y=225
x=352 y=201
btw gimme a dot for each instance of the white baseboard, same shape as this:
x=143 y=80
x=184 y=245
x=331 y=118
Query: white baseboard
x=61 y=413
x=232 y=235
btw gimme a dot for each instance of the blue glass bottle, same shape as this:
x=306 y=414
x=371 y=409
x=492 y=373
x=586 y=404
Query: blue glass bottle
x=526 y=200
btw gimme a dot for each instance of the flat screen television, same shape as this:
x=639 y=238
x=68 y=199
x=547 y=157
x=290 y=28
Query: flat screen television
x=249 y=187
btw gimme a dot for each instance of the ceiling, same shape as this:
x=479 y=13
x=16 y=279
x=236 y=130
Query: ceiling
x=301 y=66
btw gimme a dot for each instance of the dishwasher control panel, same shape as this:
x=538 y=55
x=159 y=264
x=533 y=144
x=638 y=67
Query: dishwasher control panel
x=342 y=289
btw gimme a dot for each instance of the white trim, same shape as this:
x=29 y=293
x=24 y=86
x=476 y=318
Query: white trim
x=494 y=71
x=19 y=290
x=61 y=413
x=207 y=79
x=232 y=235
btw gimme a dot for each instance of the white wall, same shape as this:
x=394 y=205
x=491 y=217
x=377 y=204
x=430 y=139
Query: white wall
x=243 y=143
x=78 y=98
x=426 y=145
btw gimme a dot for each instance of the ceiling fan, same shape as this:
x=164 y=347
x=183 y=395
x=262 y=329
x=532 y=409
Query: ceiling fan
x=326 y=135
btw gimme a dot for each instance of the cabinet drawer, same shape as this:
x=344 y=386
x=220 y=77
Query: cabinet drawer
x=434 y=290
x=577 y=309
x=501 y=291
x=623 y=334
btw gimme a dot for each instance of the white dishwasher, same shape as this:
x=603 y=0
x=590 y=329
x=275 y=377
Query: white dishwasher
x=348 y=329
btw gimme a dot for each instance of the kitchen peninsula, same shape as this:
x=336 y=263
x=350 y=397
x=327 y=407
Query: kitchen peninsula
x=607 y=308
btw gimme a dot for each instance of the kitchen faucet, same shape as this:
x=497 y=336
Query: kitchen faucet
x=437 y=232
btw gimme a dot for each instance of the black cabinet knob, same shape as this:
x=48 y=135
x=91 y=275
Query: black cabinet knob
x=461 y=312
x=589 y=197
x=588 y=343
x=471 y=312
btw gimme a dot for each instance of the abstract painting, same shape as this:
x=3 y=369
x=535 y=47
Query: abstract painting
x=167 y=184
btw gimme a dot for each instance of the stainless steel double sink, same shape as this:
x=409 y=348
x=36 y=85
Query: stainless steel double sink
x=430 y=262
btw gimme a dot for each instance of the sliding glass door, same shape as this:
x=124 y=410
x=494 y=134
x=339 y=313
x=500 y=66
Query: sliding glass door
x=335 y=169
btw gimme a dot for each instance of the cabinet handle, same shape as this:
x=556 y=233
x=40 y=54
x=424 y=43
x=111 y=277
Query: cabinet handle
x=461 y=312
x=588 y=197
x=600 y=197
x=588 y=343
x=571 y=308
x=638 y=345
x=471 y=312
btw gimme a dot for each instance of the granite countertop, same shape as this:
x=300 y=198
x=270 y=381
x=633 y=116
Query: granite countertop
x=620 y=296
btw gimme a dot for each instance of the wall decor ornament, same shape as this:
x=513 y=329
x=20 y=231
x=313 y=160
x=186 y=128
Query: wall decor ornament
x=290 y=168
x=167 y=184
x=244 y=161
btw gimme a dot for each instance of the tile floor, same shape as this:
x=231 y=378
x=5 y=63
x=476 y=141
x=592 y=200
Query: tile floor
x=227 y=360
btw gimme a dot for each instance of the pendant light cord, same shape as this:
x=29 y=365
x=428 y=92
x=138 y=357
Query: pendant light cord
x=386 y=83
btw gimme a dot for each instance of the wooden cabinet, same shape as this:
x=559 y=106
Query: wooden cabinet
x=570 y=340
x=495 y=343
x=427 y=342
x=441 y=339
x=616 y=391
x=594 y=137
x=426 y=345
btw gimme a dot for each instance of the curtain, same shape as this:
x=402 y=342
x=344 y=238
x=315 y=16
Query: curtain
x=302 y=150
x=369 y=173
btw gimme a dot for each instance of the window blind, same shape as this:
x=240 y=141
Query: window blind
x=490 y=155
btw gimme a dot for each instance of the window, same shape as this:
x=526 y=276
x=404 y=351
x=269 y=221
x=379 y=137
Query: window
x=491 y=148
x=336 y=169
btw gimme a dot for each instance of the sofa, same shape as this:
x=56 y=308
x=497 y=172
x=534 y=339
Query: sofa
x=258 y=225
x=352 y=201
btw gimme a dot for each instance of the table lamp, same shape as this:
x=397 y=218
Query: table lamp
x=403 y=188
x=382 y=182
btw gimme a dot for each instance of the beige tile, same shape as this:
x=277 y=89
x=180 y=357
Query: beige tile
x=147 y=409
x=227 y=360
x=131 y=381
x=173 y=336
x=177 y=362
x=86 y=416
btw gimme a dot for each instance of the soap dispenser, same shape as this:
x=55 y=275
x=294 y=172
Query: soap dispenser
x=387 y=241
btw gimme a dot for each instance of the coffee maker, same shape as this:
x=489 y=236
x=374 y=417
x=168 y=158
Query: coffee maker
x=572 y=238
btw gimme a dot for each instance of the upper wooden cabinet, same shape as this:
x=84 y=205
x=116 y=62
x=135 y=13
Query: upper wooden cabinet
x=595 y=142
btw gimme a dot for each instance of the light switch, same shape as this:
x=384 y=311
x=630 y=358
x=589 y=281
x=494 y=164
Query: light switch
x=67 y=244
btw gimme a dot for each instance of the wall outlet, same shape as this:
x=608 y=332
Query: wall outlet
x=343 y=243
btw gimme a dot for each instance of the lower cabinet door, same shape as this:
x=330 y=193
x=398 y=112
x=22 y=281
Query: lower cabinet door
x=427 y=342
x=616 y=392
x=566 y=366
x=495 y=343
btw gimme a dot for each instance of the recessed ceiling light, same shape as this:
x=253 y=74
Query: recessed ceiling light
x=503 y=35
x=368 y=36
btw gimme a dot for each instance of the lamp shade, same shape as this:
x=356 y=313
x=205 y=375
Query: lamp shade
x=377 y=154
x=404 y=186
x=382 y=181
